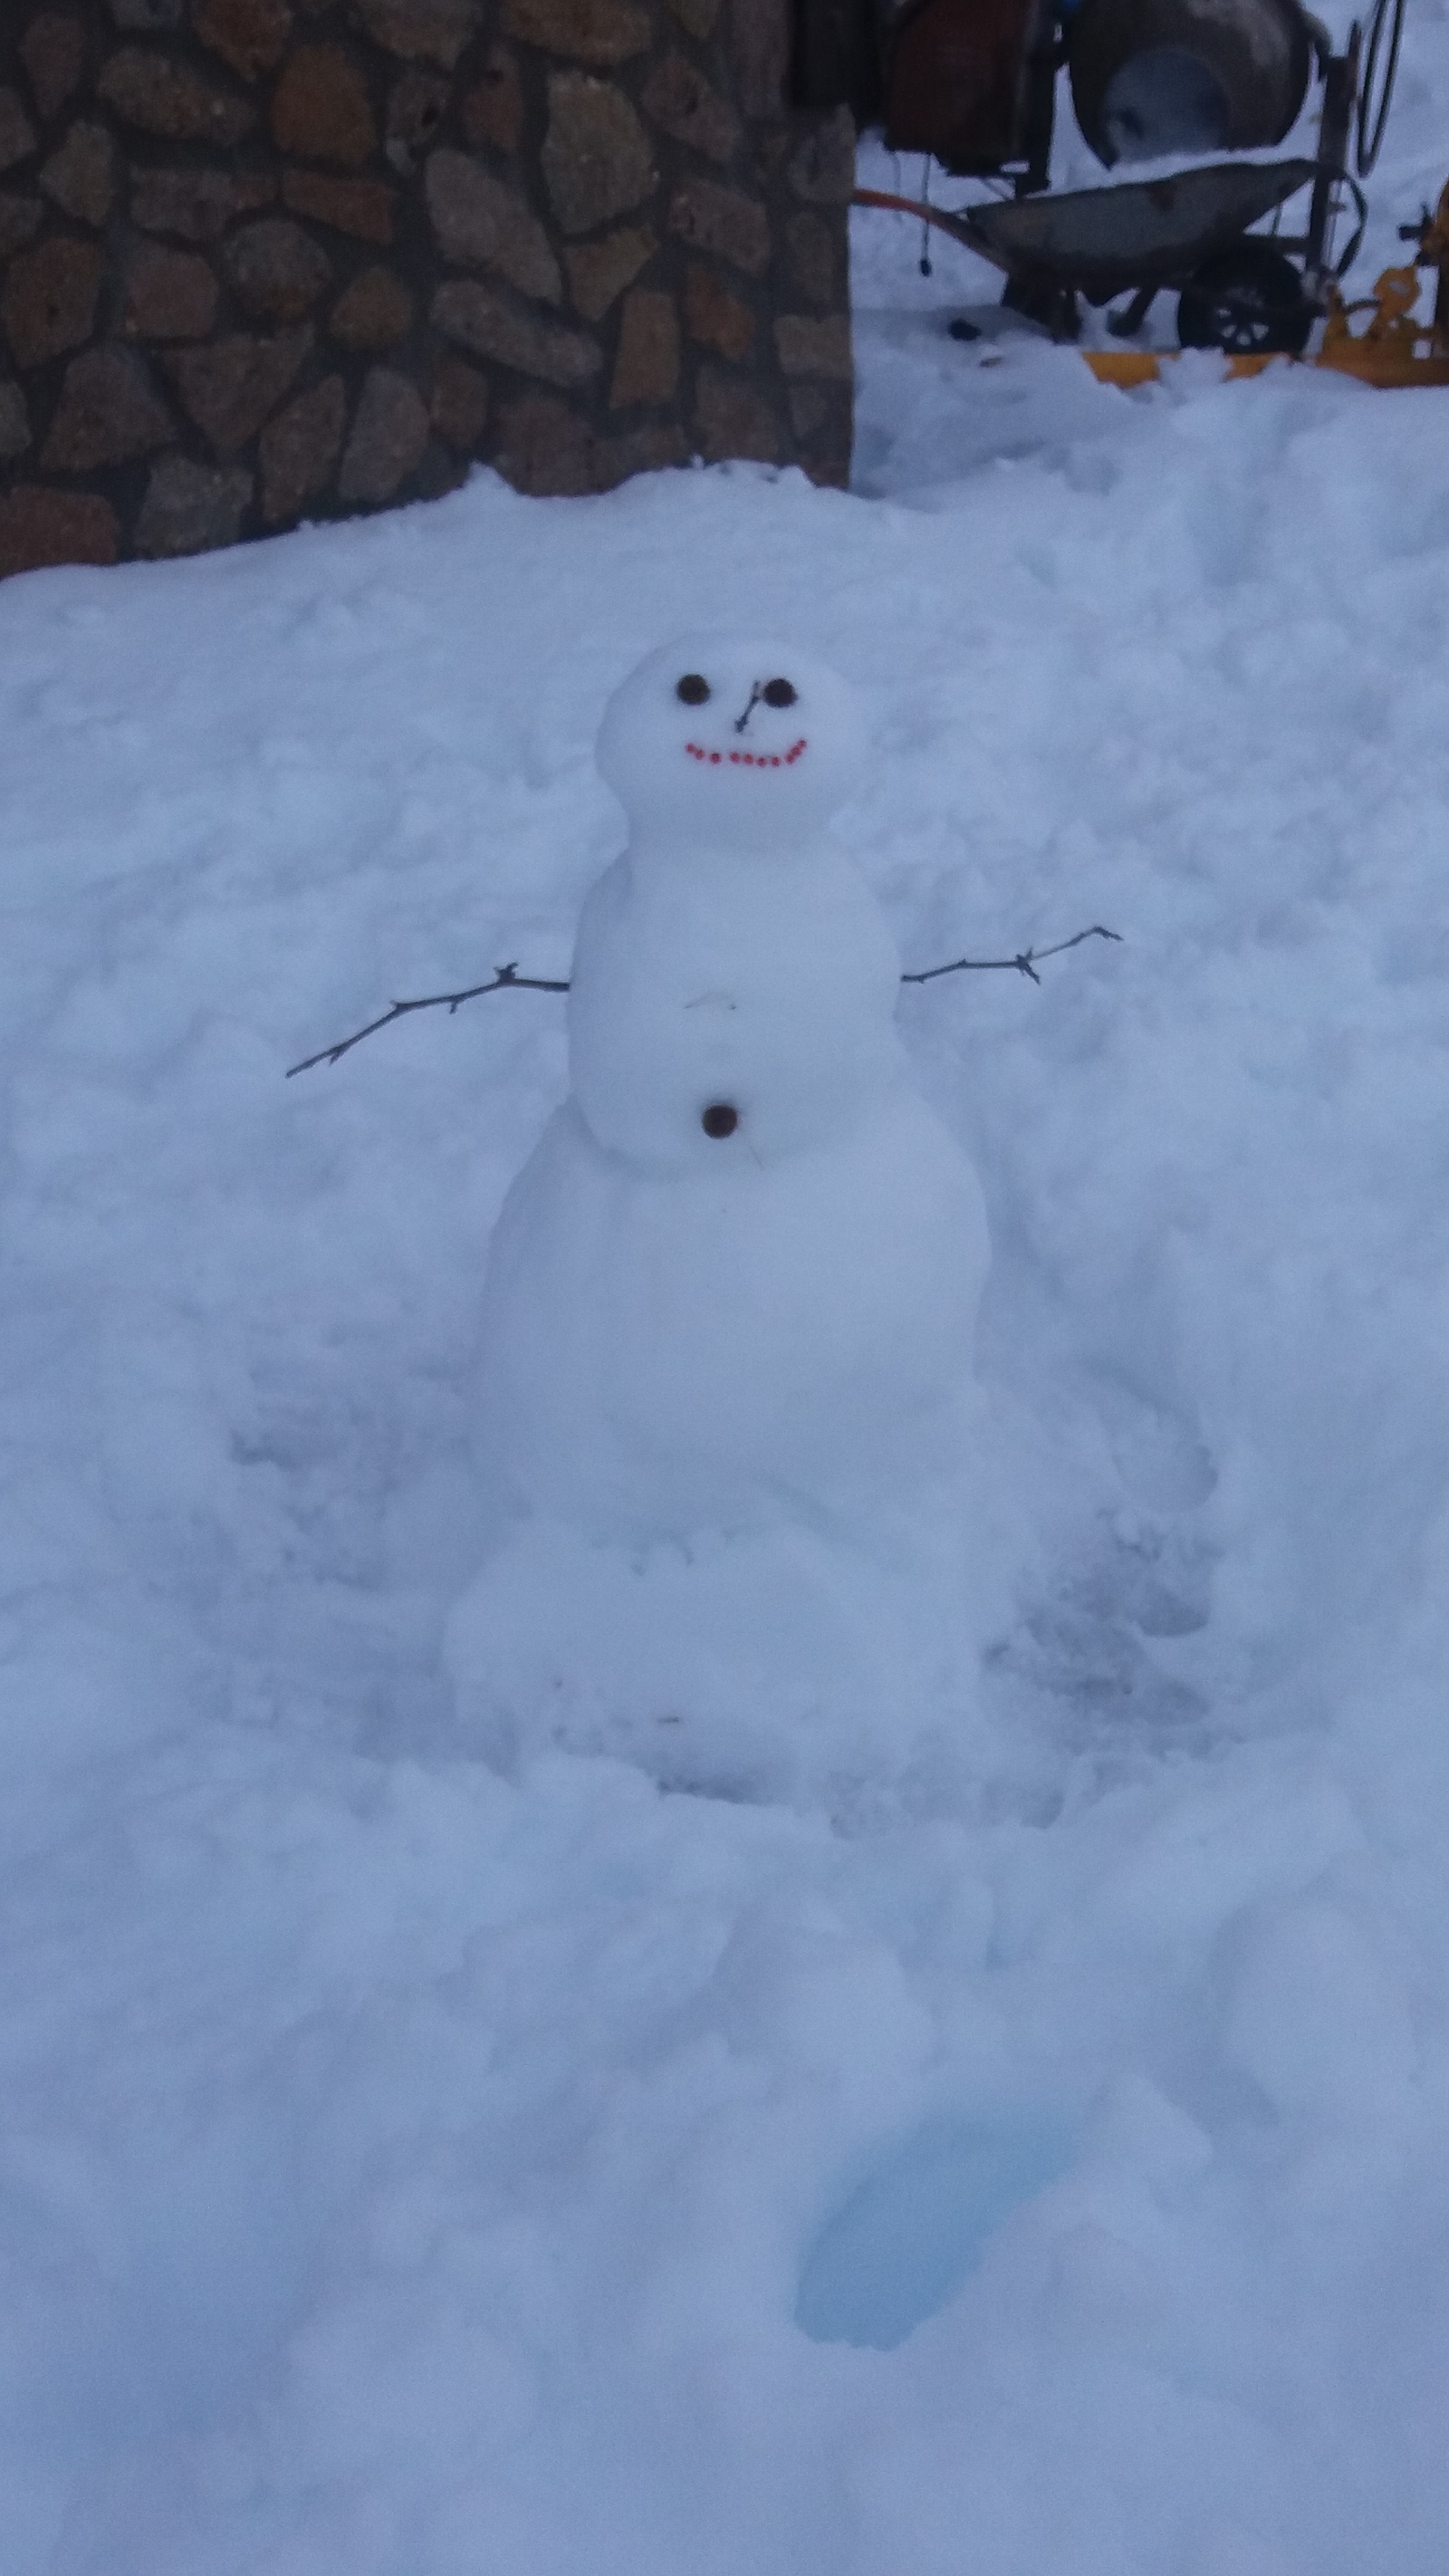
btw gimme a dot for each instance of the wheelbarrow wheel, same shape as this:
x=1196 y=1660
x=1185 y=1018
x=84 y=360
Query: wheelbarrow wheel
x=1248 y=300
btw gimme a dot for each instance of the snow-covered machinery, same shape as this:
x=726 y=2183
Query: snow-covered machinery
x=973 y=83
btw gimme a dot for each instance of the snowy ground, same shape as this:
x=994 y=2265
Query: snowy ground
x=409 y=2173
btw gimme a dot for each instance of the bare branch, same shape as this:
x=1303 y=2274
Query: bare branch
x=1026 y=961
x=506 y=979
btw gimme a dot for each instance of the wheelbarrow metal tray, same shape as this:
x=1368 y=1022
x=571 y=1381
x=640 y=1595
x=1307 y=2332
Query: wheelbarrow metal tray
x=1103 y=240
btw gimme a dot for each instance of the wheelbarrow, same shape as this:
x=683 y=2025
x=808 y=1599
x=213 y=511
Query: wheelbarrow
x=1191 y=233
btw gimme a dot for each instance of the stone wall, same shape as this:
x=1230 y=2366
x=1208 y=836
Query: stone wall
x=263 y=260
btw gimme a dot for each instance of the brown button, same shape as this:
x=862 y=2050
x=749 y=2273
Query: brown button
x=721 y=1118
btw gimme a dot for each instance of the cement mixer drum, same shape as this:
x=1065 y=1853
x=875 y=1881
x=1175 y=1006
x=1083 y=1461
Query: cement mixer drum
x=1154 y=77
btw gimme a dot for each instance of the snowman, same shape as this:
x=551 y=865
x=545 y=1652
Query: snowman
x=728 y=1319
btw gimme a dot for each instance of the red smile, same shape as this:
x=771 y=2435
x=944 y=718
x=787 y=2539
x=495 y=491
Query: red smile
x=748 y=759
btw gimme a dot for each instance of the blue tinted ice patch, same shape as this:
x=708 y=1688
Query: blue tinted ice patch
x=904 y=2242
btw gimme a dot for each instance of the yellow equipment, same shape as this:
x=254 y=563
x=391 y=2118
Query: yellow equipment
x=1392 y=349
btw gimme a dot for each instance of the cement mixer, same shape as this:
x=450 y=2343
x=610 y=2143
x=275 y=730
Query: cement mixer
x=974 y=84
x=1153 y=77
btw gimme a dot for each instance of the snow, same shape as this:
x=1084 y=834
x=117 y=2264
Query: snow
x=410 y=2170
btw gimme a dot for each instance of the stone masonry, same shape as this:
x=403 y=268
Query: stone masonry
x=266 y=260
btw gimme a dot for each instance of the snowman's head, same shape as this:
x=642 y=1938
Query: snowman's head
x=726 y=742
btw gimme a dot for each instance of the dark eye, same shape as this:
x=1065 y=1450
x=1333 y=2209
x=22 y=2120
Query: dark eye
x=778 y=693
x=694 y=689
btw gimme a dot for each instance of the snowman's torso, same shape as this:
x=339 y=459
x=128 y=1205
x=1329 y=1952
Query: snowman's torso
x=763 y=985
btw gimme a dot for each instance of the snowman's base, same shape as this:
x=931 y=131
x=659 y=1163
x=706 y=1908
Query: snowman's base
x=782 y=1664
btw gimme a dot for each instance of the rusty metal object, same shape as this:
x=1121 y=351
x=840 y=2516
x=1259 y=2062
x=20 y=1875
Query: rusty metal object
x=958 y=80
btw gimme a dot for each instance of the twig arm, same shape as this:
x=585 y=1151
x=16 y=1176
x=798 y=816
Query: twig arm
x=1026 y=960
x=506 y=979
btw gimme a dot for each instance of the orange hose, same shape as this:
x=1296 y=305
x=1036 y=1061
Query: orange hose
x=925 y=214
